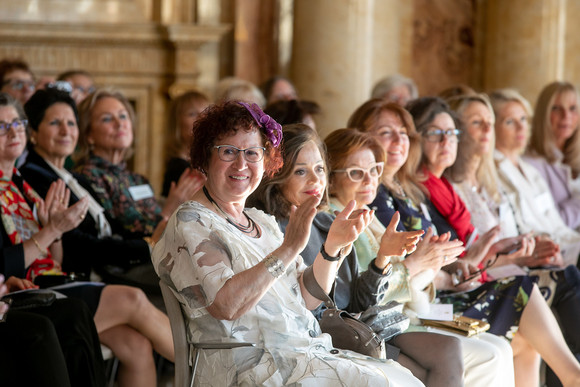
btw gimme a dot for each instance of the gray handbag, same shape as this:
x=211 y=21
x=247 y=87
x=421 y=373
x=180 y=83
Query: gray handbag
x=346 y=330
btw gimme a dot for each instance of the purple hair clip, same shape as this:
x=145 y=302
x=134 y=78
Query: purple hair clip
x=272 y=129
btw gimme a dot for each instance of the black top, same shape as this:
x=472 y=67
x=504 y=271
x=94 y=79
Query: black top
x=83 y=250
x=174 y=170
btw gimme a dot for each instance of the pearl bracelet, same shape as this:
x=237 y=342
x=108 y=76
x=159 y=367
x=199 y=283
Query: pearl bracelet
x=274 y=265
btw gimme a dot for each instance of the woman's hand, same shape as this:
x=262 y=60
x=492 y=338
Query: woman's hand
x=13 y=284
x=396 y=242
x=297 y=232
x=54 y=212
x=433 y=252
x=480 y=249
x=188 y=184
x=346 y=228
x=546 y=252
x=459 y=276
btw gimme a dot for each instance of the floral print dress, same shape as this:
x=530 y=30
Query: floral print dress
x=126 y=197
x=198 y=253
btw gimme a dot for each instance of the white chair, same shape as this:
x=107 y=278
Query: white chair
x=184 y=373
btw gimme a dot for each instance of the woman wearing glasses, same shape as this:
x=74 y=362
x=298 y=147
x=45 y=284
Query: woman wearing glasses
x=239 y=279
x=16 y=79
x=396 y=131
x=509 y=301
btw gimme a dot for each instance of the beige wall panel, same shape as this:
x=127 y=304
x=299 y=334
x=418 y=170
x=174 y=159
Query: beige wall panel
x=105 y=11
x=523 y=44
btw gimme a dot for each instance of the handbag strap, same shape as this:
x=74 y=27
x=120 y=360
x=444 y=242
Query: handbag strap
x=314 y=288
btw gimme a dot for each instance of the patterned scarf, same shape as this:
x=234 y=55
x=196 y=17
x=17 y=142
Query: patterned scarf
x=17 y=217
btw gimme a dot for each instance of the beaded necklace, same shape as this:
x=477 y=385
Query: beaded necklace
x=249 y=229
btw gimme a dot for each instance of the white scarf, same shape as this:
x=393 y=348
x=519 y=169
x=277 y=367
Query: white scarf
x=96 y=211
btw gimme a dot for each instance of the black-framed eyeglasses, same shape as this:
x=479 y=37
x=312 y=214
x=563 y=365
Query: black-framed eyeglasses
x=16 y=84
x=230 y=153
x=17 y=125
x=438 y=135
x=357 y=174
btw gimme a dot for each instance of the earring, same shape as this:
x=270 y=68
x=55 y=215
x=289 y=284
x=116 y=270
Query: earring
x=33 y=140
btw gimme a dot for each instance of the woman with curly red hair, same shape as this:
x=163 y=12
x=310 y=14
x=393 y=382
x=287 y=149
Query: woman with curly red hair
x=239 y=279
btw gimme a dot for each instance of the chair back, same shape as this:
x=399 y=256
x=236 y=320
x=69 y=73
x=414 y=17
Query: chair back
x=183 y=372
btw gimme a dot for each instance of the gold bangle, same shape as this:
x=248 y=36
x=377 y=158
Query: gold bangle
x=42 y=251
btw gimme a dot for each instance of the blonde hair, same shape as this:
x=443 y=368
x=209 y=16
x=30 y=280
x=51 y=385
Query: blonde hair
x=486 y=173
x=542 y=139
x=85 y=112
x=499 y=98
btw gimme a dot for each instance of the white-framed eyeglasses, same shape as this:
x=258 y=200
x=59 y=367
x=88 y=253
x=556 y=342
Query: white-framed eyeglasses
x=357 y=174
x=230 y=153
x=17 y=125
x=438 y=135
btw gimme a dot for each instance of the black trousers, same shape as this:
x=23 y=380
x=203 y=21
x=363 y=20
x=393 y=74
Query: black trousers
x=57 y=345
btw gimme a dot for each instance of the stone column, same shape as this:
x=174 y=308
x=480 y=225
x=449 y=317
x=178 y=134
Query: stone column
x=340 y=48
x=524 y=44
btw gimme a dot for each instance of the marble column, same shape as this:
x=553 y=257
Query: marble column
x=340 y=48
x=525 y=44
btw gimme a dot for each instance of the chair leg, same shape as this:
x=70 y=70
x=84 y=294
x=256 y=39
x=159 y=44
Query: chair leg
x=113 y=372
x=194 y=368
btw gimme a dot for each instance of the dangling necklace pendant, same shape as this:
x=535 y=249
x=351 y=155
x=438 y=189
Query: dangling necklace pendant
x=249 y=229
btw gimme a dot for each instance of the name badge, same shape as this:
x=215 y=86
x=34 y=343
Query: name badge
x=140 y=192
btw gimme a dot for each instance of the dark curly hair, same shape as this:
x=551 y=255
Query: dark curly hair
x=225 y=119
x=42 y=100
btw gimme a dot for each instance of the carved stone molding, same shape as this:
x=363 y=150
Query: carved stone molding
x=146 y=61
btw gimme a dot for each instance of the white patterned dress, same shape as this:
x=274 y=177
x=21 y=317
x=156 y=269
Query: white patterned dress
x=198 y=253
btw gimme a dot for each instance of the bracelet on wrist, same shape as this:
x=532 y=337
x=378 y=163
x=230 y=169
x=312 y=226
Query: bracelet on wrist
x=274 y=265
x=328 y=257
x=43 y=252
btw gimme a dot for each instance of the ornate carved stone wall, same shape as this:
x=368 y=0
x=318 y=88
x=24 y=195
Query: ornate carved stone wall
x=124 y=45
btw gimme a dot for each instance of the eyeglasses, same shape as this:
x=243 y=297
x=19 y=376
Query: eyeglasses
x=438 y=135
x=230 y=153
x=84 y=90
x=16 y=84
x=357 y=174
x=17 y=125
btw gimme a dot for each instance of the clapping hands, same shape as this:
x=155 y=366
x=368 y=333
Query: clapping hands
x=345 y=229
x=55 y=213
